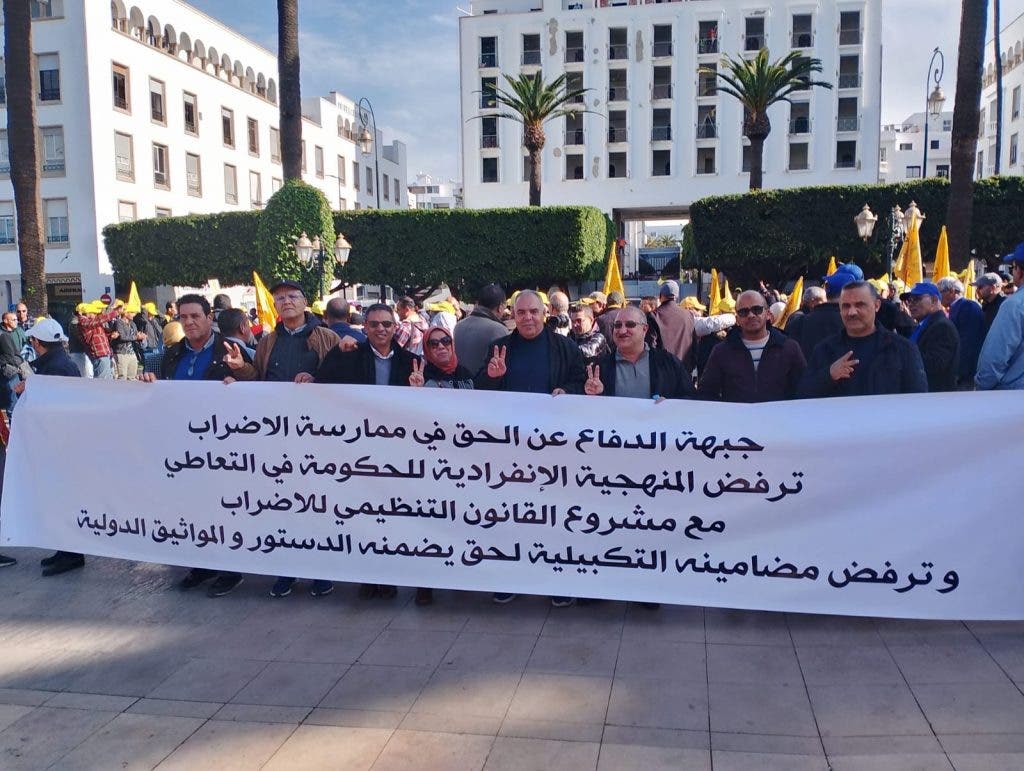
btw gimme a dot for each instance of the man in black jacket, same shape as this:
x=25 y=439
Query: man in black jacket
x=864 y=358
x=822 y=320
x=936 y=336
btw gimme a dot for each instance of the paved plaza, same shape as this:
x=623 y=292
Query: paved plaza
x=111 y=667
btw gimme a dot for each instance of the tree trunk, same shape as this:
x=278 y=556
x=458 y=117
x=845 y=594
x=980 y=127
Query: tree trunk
x=23 y=150
x=289 y=91
x=997 y=165
x=966 y=115
x=533 y=140
x=756 y=162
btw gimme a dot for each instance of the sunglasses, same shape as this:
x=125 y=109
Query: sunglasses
x=439 y=342
x=626 y=324
x=385 y=324
x=755 y=310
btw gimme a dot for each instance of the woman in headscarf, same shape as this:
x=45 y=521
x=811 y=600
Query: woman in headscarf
x=442 y=368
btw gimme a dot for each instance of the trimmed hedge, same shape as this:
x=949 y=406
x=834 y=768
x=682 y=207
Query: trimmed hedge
x=296 y=208
x=404 y=248
x=777 y=235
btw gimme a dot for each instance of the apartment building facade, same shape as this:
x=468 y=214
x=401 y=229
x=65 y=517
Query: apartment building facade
x=1011 y=39
x=430 y=193
x=901 y=147
x=164 y=111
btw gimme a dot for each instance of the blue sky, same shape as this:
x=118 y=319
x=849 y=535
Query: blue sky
x=403 y=55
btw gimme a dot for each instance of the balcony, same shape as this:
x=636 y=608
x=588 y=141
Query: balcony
x=617 y=94
x=707 y=130
x=707 y=45
x=849 y=80
x=53 y=164
x=661 y=91
x=800 y=126
x=488 y=101
x=846 y=163
x=194 y=187
x=120 y=103
x=574 y=55
x=662 y=48
x=849 y=37
x=803 y=40
x=707 y=86
x=531 y=58
x=661 y=133
x=847 y=124
x=618 y=51
x=753 y=42
x=488 y=141
x=488 y=60
x=574 y=137
x=160 y=178
x=617 y=134
x=49 y=95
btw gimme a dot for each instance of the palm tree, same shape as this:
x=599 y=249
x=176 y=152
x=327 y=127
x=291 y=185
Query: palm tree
x=24 y=154
x=532 y=102
x=964 y=139
x=290 y=94
x=758 y=84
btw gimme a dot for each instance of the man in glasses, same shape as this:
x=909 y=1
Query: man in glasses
x=755 y=362
x=935 y=335
x=585 y=334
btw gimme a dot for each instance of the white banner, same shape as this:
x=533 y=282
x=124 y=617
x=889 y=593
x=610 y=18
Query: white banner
x=881 y=506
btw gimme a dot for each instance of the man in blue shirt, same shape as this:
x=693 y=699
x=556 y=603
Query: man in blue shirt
x=1001 y=364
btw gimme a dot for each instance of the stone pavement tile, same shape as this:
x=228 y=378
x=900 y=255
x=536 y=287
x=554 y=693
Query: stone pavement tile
x=947 y=664
x=11 y=713
x=467 y=692
x=993 y=761
x=490 y=652
x=525 y=615
x=291 y=684
x=680 y=623
x=984 y=744
x=615 y=757
x=774 y=708
x=429 y=751
x=175 y=708
x=746 y=627
x=329 y=747
x=867 y=710
x=456 y=723
x=1008 y=651
x=132 y=673
x=727 y=760
x=559 y=730
x=981 y=708
x=514 y=754
x=865 y=746
x=677 y=660
x=983 y=629
x=24 y=697
x=433 y=618
x=376 y=687
x=566 y=698
x=656 y=737
x=814 y=629
x=262 y=713
x=899 y=631
x=658 y=703
x=131 y=742
x=752 y=664
x=208 y=680
x=42 y=670
x=581 y=655
x=329 y=645
x=227 y=745
x=45 y=735
x=256 y=639
x=355 y=718
x=901 y=762
x=842 y=665
x=596 y=619
x=766 y=744
x=408 y=647
x=91 y=701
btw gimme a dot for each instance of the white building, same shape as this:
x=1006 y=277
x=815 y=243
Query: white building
x=659 y=136
x=430 y=193
x=901 y=148
x=1011 y=40
x=163 y=111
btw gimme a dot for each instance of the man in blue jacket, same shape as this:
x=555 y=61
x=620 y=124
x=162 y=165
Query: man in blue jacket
x=969 y=319
x=1001 y=364
x=864 y=359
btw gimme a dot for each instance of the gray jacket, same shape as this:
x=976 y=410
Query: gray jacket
x=474 y=336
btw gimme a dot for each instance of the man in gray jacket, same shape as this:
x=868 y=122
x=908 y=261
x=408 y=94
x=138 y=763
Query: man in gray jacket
x=475 y=334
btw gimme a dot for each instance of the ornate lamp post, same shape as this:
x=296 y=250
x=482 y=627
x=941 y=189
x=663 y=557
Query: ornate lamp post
x=865 y=222
x=933 y=100
x=307 y=251
x=368 y=140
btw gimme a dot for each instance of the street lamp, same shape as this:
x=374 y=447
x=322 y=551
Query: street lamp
x=307 y=251
x=368 y=140
x=896 y=233
x=865 y=222
x=910 y=215
x=933 y=100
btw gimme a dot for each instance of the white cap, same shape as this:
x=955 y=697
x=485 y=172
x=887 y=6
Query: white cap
x=47 y=331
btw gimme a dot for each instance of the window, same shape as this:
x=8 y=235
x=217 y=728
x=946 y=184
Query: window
x=798 y=156
x=318 y=161
x=46 y=9
x=342 y=204
x=849 y=71
x=191 y=110
x=230 y=183
x=617 y=126
x=913 y=172
x=933 y=144
x=846 y=155
x=800 y=118
x=275 y=184
x=487 y=90
x=616 y=165
x=303 y=151
x=1013 y=149
x=369 y=180
x=157 y=113
x=7 y=229
x=942 y=170
x=662 y=40
x=342 y=165
x=882 y=154
x=661 y=163
x=49 y=78
x=847 y=119
x=193 y=175
x=124 y=157
x=275 y=145
x=707 y=80
x=753 y=37
x=618 y=47
x=661 y=128
x=125 y=211
x=947 y=124
x=1015 y=103
x=803 y=32
x=707 y=37
x=52 y=141
x=573 y=166
x=617 y=86
x=398 y=192
x=5 y=157
x=573 y=130
x=706 y=160
x=227 y=122
x=574 y=47
x=662 y=86
x=161 y=166
x=385 y=187
x=488 y=52
x=906 y=146
x=489 y=170
x=849 y=28
x=56 y=220
x=252 y=130
x=162 y=212
x=489 y=132
x=531 y=49
x=255 y=189
x=707 y=121
x=355 y=174
x=979 y=170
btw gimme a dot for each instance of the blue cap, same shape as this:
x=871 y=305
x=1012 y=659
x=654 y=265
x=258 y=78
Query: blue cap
x=852 y=269
x=1017 y=255
x=835 y=282
x=922 y=288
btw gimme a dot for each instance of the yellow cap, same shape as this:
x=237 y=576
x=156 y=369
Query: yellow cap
x=693 y=304
x=318 y=307
x=150 y=308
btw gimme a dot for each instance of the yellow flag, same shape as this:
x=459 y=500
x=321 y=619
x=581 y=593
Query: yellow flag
x=727 y=295
x=967 y=279
x=613 y=277
x=913 y=268
x=714 y=294
x=941 y=267
x=264 y=303
x=134 y=304
x=792 y=304
x=832 y=267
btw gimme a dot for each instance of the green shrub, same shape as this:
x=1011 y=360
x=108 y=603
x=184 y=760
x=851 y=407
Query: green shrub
x=296 y=208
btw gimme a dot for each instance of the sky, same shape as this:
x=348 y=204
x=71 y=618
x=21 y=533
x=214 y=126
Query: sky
x=403 y=55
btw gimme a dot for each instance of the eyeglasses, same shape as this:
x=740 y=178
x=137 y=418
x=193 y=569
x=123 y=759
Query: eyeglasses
x=293 y=296
x=439 y=342
x=755 y=310
x=913 y=299
x=385 y=324
x=626 y=324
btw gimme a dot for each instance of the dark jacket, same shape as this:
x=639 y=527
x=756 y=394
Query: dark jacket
x=10 y=356
x=821 y=322
x=567 y=368
x=939 y=345
x=357 y=367
x=969 y=319
x=217 y=370
x=56 y=362
x=676 y=329
x=669 y=378
x=892 y=316
x=729 y=375
x=990 y=309
x=475 y=335
x=896 y=369
x=605 y=321
x=433 y=377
